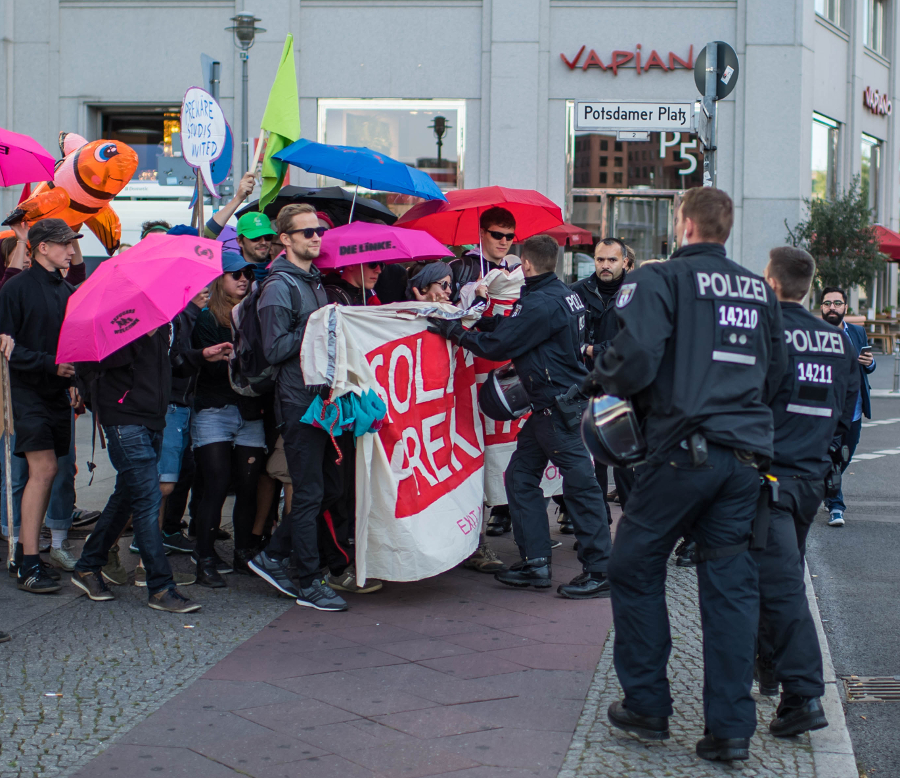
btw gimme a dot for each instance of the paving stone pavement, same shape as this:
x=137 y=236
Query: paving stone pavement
x=599 y=749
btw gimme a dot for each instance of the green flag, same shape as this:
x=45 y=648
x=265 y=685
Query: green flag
x=282 y=121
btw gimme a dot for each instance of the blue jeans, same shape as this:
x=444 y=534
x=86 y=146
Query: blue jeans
x=134 y=452
x=62 y=496
x=851 y=440
x=176 y=438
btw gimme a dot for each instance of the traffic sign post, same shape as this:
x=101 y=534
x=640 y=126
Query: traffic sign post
x=709 y=106
x=715 y=74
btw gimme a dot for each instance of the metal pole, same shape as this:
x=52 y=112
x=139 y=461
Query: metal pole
x=214 y=80
x=245 y=113
x=896 y=389
x=353 y=204
x=709 y=101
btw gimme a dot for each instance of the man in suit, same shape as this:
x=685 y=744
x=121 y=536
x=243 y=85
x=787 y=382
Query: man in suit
x=834 y=308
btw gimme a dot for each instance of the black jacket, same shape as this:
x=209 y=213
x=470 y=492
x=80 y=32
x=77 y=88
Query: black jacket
x=700 y=348
x=602 y=324
x=817 y=395
x=542 y=336
x=186 y=360
x=32 y=308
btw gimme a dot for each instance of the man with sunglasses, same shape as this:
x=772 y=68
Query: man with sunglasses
x=834 y=308
x=288 y=297
x=498 y=230
x=346 y=287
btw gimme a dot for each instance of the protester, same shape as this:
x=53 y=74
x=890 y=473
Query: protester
x=132 y=415
x=498 y=230
x=816 y=398
x=286 y=301
x=543 y=337
x=14 y=250
x=834 y=308
x=158 y=226
x=32 y=307
x=346 y=286
x=227 y=432
x=703 y=386
x=432 y=284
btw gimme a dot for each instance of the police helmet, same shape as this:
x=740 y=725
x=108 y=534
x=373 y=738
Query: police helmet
x=502 y=396
x=610 y=431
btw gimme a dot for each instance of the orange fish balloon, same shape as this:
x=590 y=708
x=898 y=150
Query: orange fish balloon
x=89 y=176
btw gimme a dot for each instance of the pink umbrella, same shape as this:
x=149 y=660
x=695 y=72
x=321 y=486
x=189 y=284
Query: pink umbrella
x=135 y=292
x=23 y=160
x=359 y=242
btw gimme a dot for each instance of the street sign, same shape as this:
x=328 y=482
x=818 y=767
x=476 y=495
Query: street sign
x=632 y=135
x=636 y=116
x=727 y=70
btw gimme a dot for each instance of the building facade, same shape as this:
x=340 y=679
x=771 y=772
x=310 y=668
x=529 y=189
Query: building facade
x=812 y=108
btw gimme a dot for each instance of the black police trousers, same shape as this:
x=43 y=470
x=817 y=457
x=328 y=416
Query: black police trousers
x=543 y=438
x=787 y=634
x=716 y=503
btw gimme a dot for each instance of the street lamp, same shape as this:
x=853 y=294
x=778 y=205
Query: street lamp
x=440 y=128
x=244 y=31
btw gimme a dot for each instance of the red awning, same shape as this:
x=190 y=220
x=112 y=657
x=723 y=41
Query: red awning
x=889 y=242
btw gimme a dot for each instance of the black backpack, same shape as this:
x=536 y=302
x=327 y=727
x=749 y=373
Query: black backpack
x=249 y=372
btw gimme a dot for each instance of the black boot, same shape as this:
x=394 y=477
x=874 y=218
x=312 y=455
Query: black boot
x=528 y=572
x=686 y=554
x=796 y=715
x=764 y=674
x=241 y=557
x=566 y=527
x=647 y=727
x=586 y=586
x=499 y=521
x=724 y=749
x=207 y=575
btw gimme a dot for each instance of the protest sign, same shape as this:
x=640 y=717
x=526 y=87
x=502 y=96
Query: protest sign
x=419 y=480
x=203 y=133
x=500 y=436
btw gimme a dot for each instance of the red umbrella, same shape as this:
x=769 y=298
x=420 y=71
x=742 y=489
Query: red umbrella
x=455 y=222
x=889 y=242
x=570 y=235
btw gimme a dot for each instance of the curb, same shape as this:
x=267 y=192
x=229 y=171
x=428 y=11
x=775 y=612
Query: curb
x=832 y=749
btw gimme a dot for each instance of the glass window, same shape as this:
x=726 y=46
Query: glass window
x=874 y=24
x=870 y=172
x=825 y=133
x=604 y=161
x=831 y=10
x=617 y=178
x=425 y=134
x=604 y=146
x=149 y=133
x=603 y=178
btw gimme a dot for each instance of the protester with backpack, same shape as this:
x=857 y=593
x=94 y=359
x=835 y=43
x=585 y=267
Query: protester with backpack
x=292 y=292
x=227 y=432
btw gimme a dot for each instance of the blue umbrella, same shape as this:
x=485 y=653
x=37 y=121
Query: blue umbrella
x=361 y=166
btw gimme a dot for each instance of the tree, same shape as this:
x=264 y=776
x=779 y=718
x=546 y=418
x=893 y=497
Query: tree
x=840 y=236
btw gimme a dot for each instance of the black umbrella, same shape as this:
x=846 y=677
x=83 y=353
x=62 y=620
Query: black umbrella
x=332 y=199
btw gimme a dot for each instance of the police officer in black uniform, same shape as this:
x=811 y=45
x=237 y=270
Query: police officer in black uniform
x=543 y=337
x=700 y=351
x=815 y=401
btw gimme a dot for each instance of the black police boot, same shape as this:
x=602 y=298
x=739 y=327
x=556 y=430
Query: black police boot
x=647 y=727
x=585 y=586
x=208 y=575
x=764 y=674
x=528 y=572
x=727 y=749
x=566 y=527
x=499 y=522
x=686 y=554
x=796 y=715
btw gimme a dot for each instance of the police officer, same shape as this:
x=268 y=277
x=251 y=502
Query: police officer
x=814 y=402
x=700 y=350
x=543 y=337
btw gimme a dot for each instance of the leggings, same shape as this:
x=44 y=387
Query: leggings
x=219 y=463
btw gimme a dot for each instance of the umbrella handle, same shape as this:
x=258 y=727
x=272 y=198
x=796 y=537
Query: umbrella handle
x=7 y=458
x=352 y=206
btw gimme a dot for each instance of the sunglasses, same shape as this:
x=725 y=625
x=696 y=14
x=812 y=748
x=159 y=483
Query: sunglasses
x=445 y=285
x=264 y=238
x=308 y=232
x=375 y=265
x=833 y=304
x=247 y=273
x=501 y=235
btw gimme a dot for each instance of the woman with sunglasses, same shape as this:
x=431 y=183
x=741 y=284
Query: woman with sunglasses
x=345 y=287
x=432 y=284
x=227 y=431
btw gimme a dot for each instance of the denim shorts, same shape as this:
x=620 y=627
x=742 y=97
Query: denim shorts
x=176 y=437
x=225 y=425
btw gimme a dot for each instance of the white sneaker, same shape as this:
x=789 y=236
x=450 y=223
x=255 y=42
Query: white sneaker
x=63 y=557
x=837 y=519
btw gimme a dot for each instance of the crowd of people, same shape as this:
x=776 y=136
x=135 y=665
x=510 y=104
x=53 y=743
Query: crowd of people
x=730 y=387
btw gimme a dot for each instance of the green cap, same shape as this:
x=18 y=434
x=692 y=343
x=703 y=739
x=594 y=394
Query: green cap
x=254 y=225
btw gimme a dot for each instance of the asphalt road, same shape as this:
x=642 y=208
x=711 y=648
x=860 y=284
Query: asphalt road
x=858 y=584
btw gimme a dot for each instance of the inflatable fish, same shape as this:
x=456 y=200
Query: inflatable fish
x=86 y=180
